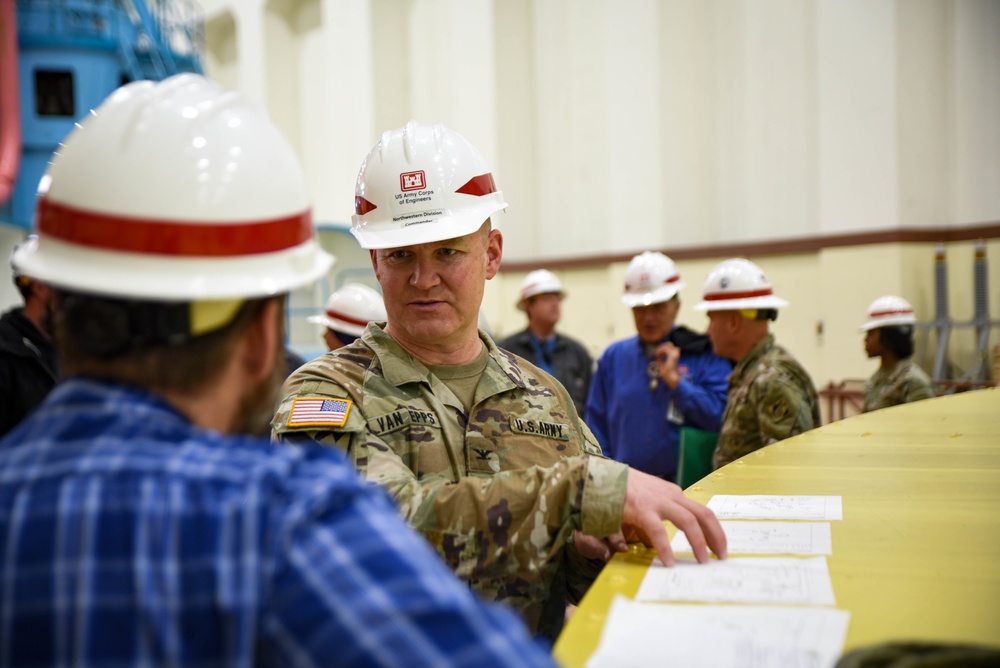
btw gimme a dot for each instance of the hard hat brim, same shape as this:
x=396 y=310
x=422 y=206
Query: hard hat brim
x=338 y=325
x=427 y=229
x=524 y=300
x=661 y=294
x=769 y=301
x=895 y=321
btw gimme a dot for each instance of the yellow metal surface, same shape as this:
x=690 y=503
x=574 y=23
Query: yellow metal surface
x=917 y=555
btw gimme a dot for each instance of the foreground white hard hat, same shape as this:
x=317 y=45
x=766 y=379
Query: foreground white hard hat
x=539 y=282
x=651 y=278
x=422 y=183
x=350 y=309
x=738 y=284
x=889 y=311
x=174 y=191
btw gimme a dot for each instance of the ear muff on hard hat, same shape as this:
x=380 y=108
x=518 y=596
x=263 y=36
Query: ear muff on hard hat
x=174 y=191
x=737 y=284
x=887 y=311
x=651 y=278
x=350 y=309
x=759 y=313
x=422 y=183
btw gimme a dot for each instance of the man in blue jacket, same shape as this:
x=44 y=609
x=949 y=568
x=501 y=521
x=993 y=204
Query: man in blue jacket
x=650 y=385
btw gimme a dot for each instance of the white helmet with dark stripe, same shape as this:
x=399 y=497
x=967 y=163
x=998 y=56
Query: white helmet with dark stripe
x=737 y=284
x=350 y=309
x=174 y=191
x=889 y=311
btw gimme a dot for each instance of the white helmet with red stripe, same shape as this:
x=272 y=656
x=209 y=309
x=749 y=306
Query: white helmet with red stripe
x=651 y=278
x=422 y=183
x=174 y=191
x=539 y=282
x=889 y=311
x=350 y=309
x=736 y=284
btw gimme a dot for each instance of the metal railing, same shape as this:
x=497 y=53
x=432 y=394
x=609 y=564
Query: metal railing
x=846 y=398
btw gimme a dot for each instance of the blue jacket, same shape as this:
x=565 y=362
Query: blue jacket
x=640 y=427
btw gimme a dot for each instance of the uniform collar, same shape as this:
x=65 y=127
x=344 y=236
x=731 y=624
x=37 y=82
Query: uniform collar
x=754 y=355
x=400 y=367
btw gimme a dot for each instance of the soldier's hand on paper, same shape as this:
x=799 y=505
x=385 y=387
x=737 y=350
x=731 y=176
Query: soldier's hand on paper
x=649 y=501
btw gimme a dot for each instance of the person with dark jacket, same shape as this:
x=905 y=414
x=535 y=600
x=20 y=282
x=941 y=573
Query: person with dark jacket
x=558 y=355
x=28 y=363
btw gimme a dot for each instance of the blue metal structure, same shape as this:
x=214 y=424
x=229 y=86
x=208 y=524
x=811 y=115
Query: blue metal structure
x=71 y=54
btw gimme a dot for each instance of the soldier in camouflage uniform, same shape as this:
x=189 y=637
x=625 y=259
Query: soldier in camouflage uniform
x=771 y=397
x=889 y=336
x=484 y=453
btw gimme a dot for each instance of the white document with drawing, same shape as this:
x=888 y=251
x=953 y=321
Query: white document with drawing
x=772 y=507
x=705 y=636
x=780 y=580
x=761 y=537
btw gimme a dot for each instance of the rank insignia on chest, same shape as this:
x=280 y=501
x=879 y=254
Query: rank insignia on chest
x=319 y=411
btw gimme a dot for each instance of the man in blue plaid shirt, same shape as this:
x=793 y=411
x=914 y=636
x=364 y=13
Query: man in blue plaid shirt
x=144 y=520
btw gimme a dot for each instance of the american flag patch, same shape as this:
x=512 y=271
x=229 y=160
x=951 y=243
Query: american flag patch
x=316 y=411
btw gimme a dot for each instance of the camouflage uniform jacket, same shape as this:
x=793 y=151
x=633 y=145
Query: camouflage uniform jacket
x=499 y=491
x=901 y=383
x=771 y=397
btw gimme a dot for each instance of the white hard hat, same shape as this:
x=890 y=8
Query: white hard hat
x=350 y=309
x=174 y=191
x=738 y=284
x=889 y=311
x=422 y=183
x=539 y=282
x=651 y=278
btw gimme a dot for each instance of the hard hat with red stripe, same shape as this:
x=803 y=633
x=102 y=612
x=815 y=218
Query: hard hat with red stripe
x=651 y=278
x=889 y=311
x=174 y=191
x=422 y=183
x=350 y=309
x=737 y=284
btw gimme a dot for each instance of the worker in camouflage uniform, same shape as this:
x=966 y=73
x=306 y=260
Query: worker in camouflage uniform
x=484 y=452
x=771 y=397
x=889 y=336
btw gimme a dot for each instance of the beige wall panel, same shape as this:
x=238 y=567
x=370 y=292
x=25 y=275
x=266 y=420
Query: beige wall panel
x=856 y=69
x=574 y=164
x=516 y=169
x=767 y=106
x=452 y=68
x=390 y=53
x=688 y=123
x=221 y=50
x=924 y=112
x=340 y=64
x=634 y=133
x=976 y=96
